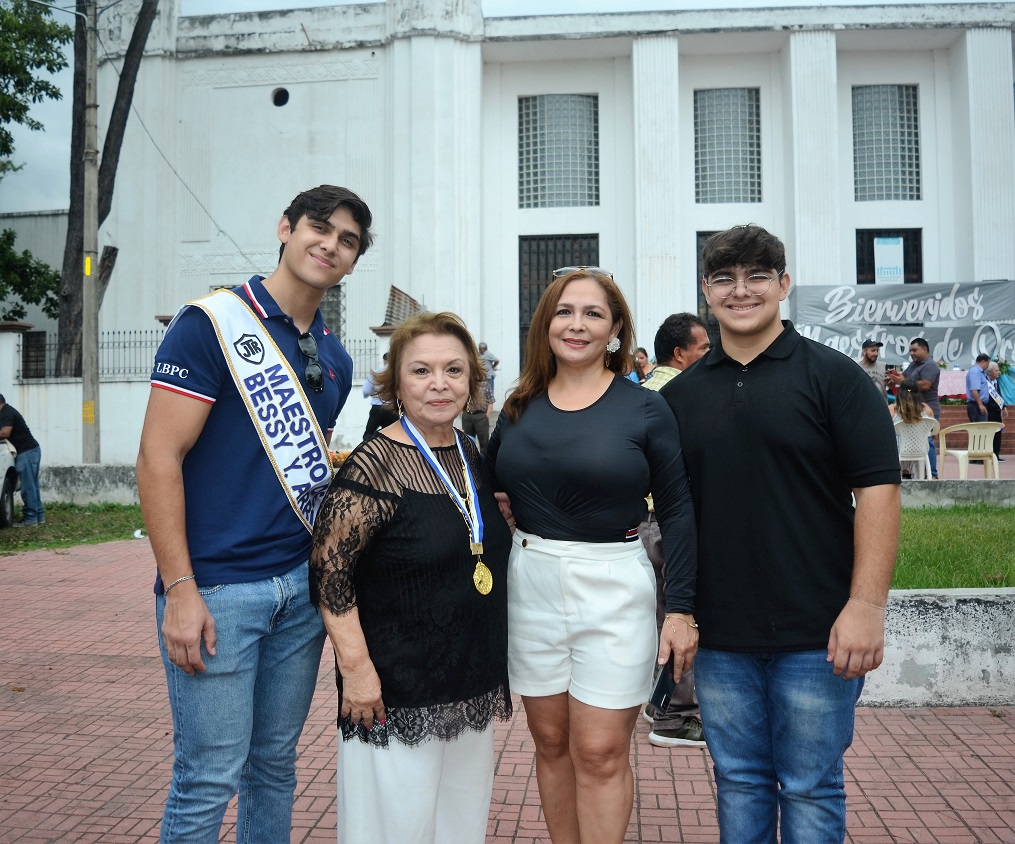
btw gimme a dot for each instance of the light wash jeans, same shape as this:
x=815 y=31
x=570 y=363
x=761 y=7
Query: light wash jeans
x=777 y=725
x=236 y=725
x=27 y=464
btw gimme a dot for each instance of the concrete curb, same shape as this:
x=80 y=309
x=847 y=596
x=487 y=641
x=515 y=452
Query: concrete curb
x=946 y=647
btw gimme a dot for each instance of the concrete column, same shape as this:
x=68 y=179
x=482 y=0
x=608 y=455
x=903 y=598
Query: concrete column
x=814 y=134
x=662 y=285
x=436 y=91
x=988 y=57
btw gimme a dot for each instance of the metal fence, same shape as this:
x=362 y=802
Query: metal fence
x=128 y=355
x=122 y=354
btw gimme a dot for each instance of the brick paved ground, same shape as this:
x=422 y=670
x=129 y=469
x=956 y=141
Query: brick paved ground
x=85 y=735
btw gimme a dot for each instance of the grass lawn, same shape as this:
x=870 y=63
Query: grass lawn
x=956 y=548
x=68 y=524
x=939 y=548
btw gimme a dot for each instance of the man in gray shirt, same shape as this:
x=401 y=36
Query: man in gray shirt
x=926 y=373
x=870 y=351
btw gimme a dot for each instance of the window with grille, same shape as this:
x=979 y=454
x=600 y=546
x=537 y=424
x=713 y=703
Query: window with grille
x=558 y=151
x=704 y=311
x=886 y=143
x=912 y=254
x=538 y=257
x=333 y=310
x=727 y=145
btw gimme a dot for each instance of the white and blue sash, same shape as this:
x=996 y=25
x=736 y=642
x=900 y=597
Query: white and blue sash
x=274 y=398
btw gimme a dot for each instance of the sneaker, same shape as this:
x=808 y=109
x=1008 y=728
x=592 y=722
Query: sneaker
x=23 y=523
x=647 y=712
x=689 y=735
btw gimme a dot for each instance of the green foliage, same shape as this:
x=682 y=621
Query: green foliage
x=68 y=525
x=25 y=278
x=956 y=548
x=31 y=41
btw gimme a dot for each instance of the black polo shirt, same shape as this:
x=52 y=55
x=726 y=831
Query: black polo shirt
x=773 y=450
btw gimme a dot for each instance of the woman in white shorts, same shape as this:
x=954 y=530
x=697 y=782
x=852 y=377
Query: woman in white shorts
x=577 y=448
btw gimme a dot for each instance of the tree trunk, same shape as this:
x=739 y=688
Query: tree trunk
x=68 y=358
x=106 y=264
x=71 y=292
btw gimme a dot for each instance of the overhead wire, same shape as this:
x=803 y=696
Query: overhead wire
x=169 y=164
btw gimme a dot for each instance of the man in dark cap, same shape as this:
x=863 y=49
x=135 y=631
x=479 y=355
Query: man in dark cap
x=870 y=351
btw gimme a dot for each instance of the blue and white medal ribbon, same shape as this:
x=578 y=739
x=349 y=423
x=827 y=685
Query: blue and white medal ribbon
x=482 y=577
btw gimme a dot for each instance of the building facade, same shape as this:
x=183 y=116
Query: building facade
x=493 y=149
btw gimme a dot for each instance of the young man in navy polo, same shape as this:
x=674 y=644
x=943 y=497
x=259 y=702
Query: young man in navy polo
x=792 y=575
x=246 y=387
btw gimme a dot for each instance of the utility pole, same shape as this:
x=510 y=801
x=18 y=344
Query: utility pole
x=90 y=299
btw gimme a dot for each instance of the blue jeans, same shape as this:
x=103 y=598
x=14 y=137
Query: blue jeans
x=236 y=725
x=27 y=464
x=777 y=725
x=932 y=450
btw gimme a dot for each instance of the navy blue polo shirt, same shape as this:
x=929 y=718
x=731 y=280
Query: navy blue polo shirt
x=240 y=525
x=773 y=450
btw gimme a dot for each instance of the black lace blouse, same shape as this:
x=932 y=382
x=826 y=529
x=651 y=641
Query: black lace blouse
x=390 y=541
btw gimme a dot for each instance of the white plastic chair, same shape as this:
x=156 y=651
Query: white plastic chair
x=912 y=438
x=980 y=447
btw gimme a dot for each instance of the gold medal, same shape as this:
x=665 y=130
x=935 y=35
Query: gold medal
x=483 y=578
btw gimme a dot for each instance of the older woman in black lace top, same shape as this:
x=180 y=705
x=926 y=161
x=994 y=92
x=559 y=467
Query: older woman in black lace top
x=408 y=567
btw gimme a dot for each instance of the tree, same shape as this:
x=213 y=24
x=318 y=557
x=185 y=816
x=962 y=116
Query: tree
x=71 y=291
x=31 y=41
x=26 y=279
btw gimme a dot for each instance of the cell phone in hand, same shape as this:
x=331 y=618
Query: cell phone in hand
x=663 y=691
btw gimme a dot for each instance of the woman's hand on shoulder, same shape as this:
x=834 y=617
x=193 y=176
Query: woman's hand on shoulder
x=361 y=695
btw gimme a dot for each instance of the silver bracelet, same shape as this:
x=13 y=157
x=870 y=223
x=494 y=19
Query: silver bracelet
x=178 y=581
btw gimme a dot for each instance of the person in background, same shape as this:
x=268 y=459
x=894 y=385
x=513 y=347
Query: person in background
x=26 y=461
x=643 y=366
x=870 y=351
x=229 y=494
x=409 y=570
x=577 y=448
x=476 y=416
x=792 y=575
x=490 y=363
x=927 y=374
x=996 y=409
x=680 y=341
x=381 y=415
x=977 y=389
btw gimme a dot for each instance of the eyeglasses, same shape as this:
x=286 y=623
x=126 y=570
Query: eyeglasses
x=591 y=270
x=724 y=285
x=313 y=373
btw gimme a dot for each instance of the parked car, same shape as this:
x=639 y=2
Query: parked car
x=9 y=482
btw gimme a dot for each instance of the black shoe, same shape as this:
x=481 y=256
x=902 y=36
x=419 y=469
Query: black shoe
x=999 y=458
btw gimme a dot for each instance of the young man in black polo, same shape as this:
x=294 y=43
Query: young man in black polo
x=792 y=576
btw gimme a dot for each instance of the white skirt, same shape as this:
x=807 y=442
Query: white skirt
x=581 y=619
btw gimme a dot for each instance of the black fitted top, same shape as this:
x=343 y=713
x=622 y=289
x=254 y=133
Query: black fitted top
x=390 y=541
x=583 y=475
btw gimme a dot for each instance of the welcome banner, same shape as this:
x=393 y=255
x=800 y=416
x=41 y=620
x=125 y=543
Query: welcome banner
x=896 y=304
x=954 y=344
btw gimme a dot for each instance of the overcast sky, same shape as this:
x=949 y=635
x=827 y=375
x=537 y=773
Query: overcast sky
x=44 y=182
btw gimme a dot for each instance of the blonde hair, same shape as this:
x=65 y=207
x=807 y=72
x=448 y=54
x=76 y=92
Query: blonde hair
x=909 y=401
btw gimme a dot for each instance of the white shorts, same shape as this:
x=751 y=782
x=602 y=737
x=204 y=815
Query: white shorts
x=581 y=619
